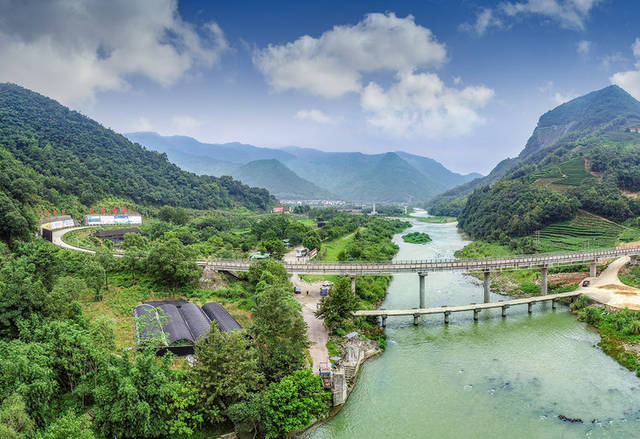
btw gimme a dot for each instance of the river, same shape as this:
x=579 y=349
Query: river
x=498 y=378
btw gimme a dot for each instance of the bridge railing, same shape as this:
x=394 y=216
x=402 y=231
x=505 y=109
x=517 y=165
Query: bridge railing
x=463 y=263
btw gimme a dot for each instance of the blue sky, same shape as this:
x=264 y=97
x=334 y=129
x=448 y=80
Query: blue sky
x=461 y=82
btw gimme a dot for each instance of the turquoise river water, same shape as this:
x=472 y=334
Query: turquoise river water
x=498 y=378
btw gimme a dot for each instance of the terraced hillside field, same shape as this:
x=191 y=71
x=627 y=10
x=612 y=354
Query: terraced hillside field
x=585 y=231
x=559 y=177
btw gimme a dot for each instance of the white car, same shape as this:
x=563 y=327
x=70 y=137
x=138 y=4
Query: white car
x=327 y=283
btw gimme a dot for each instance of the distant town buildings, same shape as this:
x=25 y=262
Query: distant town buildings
x=635 y=130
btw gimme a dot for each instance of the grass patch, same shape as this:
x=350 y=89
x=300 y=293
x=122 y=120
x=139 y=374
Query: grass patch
x=333 y=248
x=630 y=276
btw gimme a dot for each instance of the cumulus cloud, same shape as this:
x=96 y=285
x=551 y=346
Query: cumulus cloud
x=414 y=104
x=420 y=104
x=313 y=115
x=332 y=64
x=70 y=50
x=569 y=14
x=630 y=79
x=560 y=98
x=584 y=47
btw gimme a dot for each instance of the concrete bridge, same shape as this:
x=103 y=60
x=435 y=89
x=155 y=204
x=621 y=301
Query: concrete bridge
x=475 y=307
x=540 y=262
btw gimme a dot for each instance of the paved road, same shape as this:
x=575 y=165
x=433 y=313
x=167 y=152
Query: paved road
x=317 y=332
x=57 y=239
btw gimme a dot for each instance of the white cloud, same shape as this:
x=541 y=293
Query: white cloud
x=70 y=50
x=570 y=14
x=186 y=123
x=141 y=124
x=630 y=79
x=419 y=104
x=560 y=98
x=584 y=47
x=332 y=64
x=485 y=20
x=457 y=80
x=313 y=115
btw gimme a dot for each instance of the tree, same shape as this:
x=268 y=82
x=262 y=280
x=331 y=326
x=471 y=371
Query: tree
x=70 y=425
x=140 y=398
x=15 y=422
x=279 y=332
x=286 y=406
x=65 y=291
x=274 y=246
x=338 y=305
x=20 y=294
x=226 y=371
x=105 y=258
x=276 y=269
x=172 y=263
x=175 y=215
x=312 y=240
x=94 y=275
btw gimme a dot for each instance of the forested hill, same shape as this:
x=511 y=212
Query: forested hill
x=52 y=156
x=584 y=154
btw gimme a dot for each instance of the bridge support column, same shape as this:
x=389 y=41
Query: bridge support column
x=544 y=280
x=530 y=307
x=423 y=302
x=553 y=304
x=476 y=311
x=486 y=284
x=504 y=310
x=353 y=283
x=415 y=319
x=383 y=320
x=593 y=269
x=446 y=317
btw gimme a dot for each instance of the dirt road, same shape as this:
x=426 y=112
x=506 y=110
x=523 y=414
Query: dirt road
x=316 y=331
x=609 y=290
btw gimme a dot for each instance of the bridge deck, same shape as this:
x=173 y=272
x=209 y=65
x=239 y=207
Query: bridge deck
x=461 y=308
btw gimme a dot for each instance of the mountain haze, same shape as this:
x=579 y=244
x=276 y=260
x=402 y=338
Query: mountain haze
x=350 y=176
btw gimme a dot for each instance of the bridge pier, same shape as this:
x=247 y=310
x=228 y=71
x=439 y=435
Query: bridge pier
x=422 y=275
x=543 y=280
x=504 y=310
x=530 y=307
x=486 y=284
x=593 y=269
x=383 y=320
x=353 y=282
x=476 y=311
x=553 y=304
x=446 y=317
x=415 y=319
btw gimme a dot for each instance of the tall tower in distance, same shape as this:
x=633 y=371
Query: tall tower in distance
x=373 y=212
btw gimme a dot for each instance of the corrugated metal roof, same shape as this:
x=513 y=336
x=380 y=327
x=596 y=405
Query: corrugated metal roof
x=216 y=312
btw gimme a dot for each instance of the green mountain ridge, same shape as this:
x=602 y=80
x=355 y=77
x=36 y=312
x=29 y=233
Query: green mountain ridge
x=573 y=128
x=351 y=176
x=55 y=157
x=581 y=155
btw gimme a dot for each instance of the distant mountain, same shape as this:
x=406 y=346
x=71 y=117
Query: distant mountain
x=282 y=181
x=575 y=128
x=351 y=176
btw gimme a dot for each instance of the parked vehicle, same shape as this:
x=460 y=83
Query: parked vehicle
x=324 y=291
x=327 y=283
x=585 y=283
x=297 y=290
